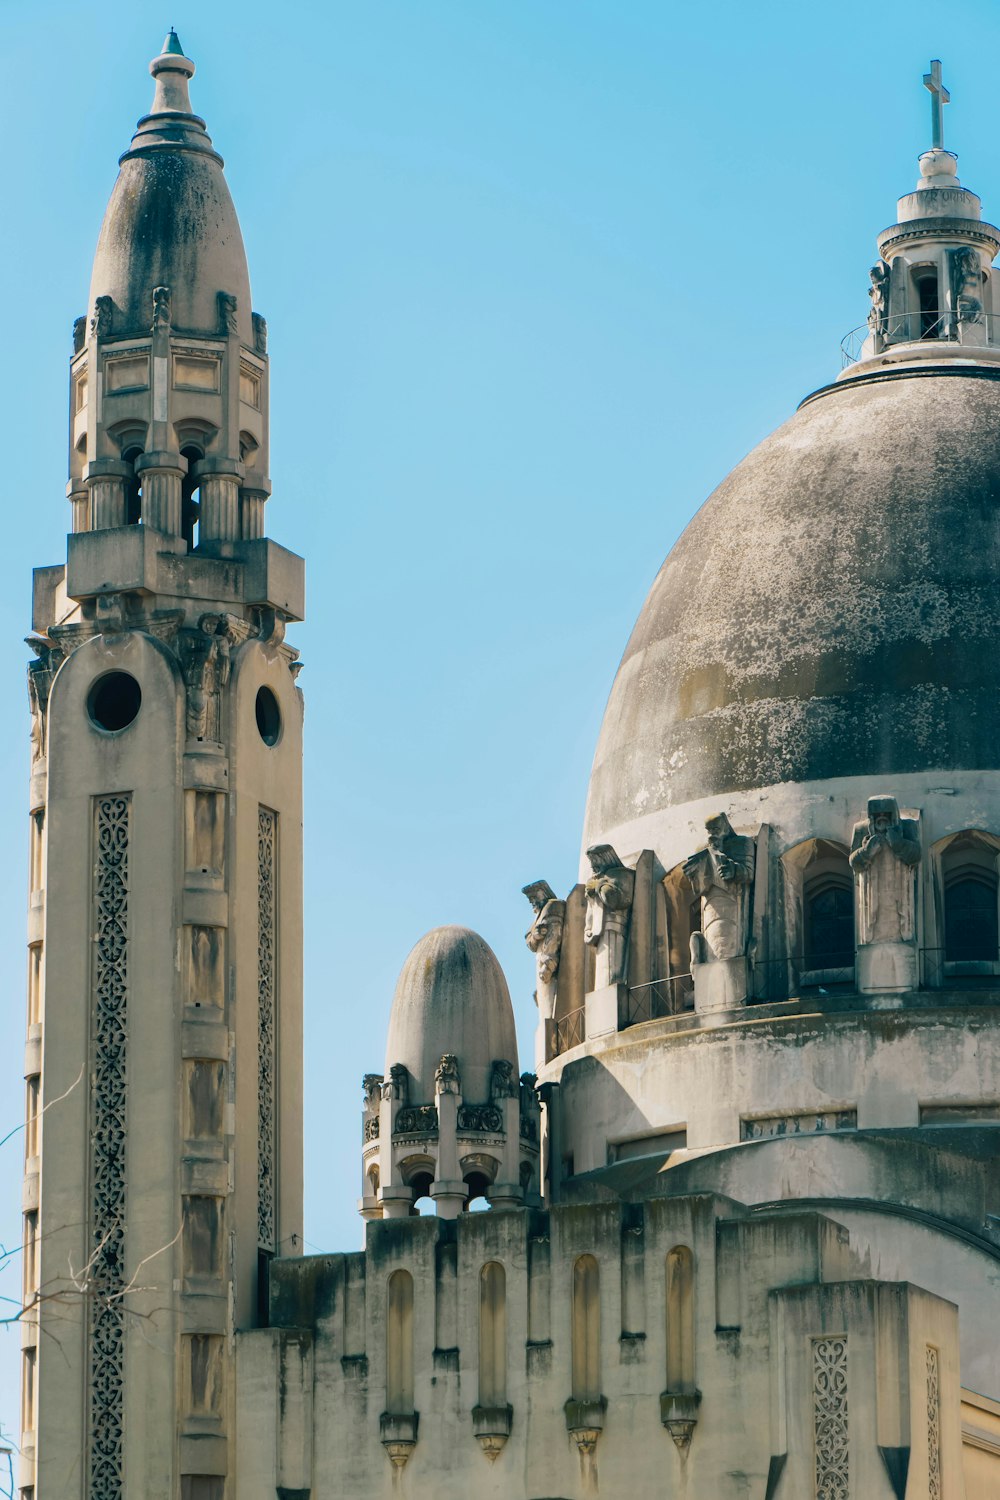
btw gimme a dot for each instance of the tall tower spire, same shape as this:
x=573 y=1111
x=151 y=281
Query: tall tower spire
x=164 y=1013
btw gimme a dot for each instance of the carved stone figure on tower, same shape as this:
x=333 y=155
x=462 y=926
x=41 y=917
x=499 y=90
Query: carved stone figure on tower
x=447 y=1079
x=161 y=309
x=544 y=938
x=609 y=893
x=878 y=317
x=967 y=285
x=722 y=875
x=885 y=850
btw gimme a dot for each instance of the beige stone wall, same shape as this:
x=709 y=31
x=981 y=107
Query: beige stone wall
x=770 y=1300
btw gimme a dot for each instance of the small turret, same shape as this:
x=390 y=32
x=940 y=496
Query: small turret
x=449 y=1119
x=934 y=294
x=169 y=378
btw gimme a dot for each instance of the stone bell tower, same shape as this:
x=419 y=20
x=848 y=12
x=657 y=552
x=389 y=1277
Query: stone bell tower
x=163 y=1066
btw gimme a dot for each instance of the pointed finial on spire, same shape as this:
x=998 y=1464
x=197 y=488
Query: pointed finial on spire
x=172 y=44
x=939 y=98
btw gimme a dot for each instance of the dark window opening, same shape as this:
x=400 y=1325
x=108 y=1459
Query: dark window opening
x=970 y=920
x=268 y=716
x=189 y=505
x=829 y=927
x=133 y=489
x=927 y=292
x=114 y=701
x=264 y=1258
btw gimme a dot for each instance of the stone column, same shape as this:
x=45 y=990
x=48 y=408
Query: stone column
x=161 y=474
x=79 y=498
x=253 y=496
x=106 y=480
x=219 y=490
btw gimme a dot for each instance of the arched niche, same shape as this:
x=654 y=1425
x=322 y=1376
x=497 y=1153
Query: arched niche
x=586 y=1330
x=682 y=914
x=679 y=1270
x=819 y=905
x=492 y=1335
x=399 y=1344
x=963 y=919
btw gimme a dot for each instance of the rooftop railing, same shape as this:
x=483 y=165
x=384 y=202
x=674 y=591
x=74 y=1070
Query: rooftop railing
x=934 y=324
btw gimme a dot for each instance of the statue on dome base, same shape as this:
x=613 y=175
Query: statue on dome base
x=722 y=875
x=544 y=938
x=885 y=850
x=609 y=894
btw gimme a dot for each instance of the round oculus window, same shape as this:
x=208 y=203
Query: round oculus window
x=114 y=701
x=268 y=716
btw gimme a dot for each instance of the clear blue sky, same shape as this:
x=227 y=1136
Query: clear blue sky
x=536 y=274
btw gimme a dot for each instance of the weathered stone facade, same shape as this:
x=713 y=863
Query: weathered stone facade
x=744 y=1227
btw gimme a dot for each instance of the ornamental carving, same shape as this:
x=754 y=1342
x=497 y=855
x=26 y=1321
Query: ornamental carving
x=267 y=837
x=722 y=875
x=878 y=316
x=416 y=1119
x=933 y=1425
x=371 y=1129
x=108 y=1124
x=101 y=318
x=41 y=671
x=885 y=849
x=259 y=333
x=205 y=656
x=484 y=1118
x=609 y=905
x=544 y=939
x=830 y=1418
x=502 y=1081
x=227 y=313
x=161 y=309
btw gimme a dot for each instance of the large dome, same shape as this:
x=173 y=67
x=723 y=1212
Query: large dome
x=832 y=610
x=451 y=997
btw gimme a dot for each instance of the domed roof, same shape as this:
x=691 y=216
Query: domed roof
x=170 y=220
x=832 y=610
x=451 y=997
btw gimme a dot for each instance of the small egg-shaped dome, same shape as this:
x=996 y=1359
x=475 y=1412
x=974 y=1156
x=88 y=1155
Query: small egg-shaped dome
x=171 y=220
x=451 y=997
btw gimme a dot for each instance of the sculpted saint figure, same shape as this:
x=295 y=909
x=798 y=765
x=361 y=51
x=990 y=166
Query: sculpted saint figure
x=722 y=875
x=609 y=894
x=967 y=284
x=878 y=317
x=446 y=1076
x=884 y=850
x=544 y=938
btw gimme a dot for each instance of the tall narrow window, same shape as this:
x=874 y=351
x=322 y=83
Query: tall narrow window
x=930 y=316
x=492 y=1335
x=680 y=1320
x=399 y=1344
x=829 y=924
x=970 y=918
x=586 y=1330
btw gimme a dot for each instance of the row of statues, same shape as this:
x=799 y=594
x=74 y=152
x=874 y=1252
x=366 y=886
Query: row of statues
x=885 y=847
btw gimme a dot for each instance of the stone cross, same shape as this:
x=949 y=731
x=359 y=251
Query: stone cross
x=939 y=98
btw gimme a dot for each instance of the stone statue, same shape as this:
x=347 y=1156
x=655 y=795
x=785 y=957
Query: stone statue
x=609 y=894
x=79 y=334
x=967 y=285
x=878 y=316
x=447 y=1079
x=722 y=875
x=884 y=850
x=161 y=309
x=259 y=333
x=100 y=322
x=544 y=938
x=397 y=1085
x=227 y=313
x=372 y=1085
x=502 y=1082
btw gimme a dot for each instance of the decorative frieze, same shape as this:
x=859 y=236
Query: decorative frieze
x=933 y=1425
x=267 y=836
x=830 y=1418
x=108 y=1140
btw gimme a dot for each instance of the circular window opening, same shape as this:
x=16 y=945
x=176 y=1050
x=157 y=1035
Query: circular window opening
x=115 y=700
x=268 y=716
